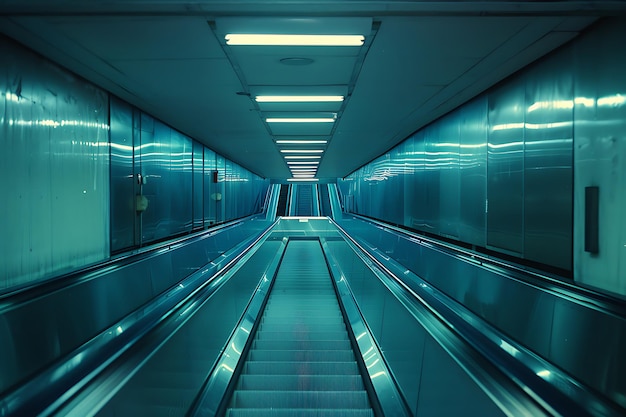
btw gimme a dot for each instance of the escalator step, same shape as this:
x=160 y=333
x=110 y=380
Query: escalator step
x=302 y=355
x=301 y=382
x=299 y=325
x=307 y=344
x=304 y=334
x=300 y=399
x=300 y=368
x=264 y=412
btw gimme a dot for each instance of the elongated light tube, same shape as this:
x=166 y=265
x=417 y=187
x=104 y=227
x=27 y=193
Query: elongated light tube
x=300 y=120
x=297 y=99
x=302 y=151
x=267 y=39
x=301 y=142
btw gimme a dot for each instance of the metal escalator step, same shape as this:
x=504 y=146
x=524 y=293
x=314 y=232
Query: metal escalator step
x=300 y=399
x=300 y=325
x=290 y=412
x=300 y=368
x=301 y=382
x=302 y=355
x=329 y=319
x=303 y=334
x=302 y=344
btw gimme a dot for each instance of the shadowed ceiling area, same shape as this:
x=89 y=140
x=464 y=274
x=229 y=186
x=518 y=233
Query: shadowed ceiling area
x=417 y=61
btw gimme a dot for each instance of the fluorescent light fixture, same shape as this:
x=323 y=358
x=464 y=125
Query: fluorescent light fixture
x=300 y=120
x=302 y=163
x=303 y=157
x=302 y=150
x=302 y=179
x=267 y=39
x=296 y=99
x=301 y=142
x=294 y=167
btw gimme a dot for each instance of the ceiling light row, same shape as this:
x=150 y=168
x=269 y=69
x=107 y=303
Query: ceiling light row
x=266 y=39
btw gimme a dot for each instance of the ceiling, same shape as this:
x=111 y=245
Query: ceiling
x=419 y=60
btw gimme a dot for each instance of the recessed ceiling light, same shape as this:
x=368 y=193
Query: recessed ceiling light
x=302 y=162
x=302 y=179
x=303 y=157
x=301 y=142
x=296 y=99
x=293 y=40
x=300 y=120
x=302 y=151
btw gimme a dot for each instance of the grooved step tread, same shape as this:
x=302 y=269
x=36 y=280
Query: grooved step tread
x=301 y=361
x=300 y=399
x=301 y=412
x=301 y=382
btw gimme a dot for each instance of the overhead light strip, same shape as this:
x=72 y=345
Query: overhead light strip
x=266 y=39
x=303 y=157
x=302 y=163
x=302 y=151
x=300 y=120
x=297 y=99
x=301 y=142
x=303 y=179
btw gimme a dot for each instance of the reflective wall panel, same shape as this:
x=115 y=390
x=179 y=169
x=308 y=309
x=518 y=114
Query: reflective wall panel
x=198 y=185
x=54 y=169
x=123 y=181
x=548 y=171
x=600 y=153
x=505 y=169
x=473 y=171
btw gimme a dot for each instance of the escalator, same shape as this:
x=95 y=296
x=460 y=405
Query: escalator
x=303 y=322
x=282 y=200
x=301 y=361
x=304 y=200
x=325 y=206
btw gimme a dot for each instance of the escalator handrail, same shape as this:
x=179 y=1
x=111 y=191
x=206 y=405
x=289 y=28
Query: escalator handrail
x=49 y=389
x=589 y=297
x=557 y=392
x=17 y=295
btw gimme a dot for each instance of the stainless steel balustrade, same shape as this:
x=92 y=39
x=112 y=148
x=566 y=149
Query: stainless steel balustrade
x=575 y=329
x=57 y=320
x=440 y=356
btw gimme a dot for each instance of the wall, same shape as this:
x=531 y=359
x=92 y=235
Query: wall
x=508 y=170
x=71 y=160
x=54 y=169
x=177 y=177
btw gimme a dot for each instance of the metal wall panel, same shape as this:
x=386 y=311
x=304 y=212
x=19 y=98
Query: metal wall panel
x=123 y=181
x=431 y=179
x=447 y=157
x=198 y=185
x=209 y=188
x=473 y=171
x=505 y=169
x=600 y=153
x=54 y=169
x=548 y=158
x=180 y=183
x=220 y=189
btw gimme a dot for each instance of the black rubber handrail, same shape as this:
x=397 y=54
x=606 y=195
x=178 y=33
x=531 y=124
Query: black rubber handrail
x=559 y=393
x=592 y=298
x=16 y=295
x=49 y=389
